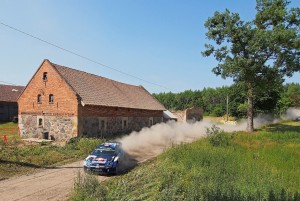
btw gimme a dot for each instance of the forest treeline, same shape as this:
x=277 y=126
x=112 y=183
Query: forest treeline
x=274 y=100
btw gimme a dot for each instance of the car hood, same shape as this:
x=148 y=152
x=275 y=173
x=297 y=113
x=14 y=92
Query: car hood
x=92 y=159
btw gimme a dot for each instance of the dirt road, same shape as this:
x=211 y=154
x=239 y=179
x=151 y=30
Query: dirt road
x=50 y=184
x=57 y=184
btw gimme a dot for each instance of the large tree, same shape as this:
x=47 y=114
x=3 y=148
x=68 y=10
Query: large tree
x=257 y=54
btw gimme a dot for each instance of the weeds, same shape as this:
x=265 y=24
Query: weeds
x=260 y=166
x=17 y=160
x=87 y=187
x=217 y=137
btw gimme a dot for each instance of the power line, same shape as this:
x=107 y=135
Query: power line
x=81 y=56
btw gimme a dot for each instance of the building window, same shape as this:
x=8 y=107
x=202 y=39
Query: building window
x=40 y=121
x=150 y=121
x=45 y=76
x=102 y=126
x=124 y=122
x=39 y=98
x=102 y=123
x=51 y=98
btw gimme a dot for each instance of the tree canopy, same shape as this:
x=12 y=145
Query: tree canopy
x=213 y=100
x=257 y=54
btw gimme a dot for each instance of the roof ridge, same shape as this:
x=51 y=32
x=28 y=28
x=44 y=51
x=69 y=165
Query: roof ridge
x=98 y=90
x=11 y=85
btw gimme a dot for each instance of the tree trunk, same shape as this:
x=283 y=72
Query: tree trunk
x=250 y=124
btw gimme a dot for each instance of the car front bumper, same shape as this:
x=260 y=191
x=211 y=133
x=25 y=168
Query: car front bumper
x=99 y=169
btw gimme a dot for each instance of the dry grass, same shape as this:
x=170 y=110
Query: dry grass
x=259 y=166
x=10 y=130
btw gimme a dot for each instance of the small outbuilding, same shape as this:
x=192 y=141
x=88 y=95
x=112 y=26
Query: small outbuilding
x=190 y=115
x=8 y=102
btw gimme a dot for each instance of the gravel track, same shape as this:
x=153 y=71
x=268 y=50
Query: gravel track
x=51 y=184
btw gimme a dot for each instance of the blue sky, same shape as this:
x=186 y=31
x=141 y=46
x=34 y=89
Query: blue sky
x=157 y=41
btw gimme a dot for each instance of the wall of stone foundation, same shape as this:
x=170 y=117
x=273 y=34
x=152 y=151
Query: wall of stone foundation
x=91 y=126
x=58 y=128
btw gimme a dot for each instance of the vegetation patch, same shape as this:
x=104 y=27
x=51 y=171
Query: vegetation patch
x=267 y=169
x=10 y=130
x=16 y=158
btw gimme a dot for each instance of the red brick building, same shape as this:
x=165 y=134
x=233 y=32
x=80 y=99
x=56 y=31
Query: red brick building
x=60 y=103
x=8 y=102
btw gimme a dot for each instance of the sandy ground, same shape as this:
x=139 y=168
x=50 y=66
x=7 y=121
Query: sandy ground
x=50 y=184
x=57 y=183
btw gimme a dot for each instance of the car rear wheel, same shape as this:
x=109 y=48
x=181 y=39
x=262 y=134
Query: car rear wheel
x=117 y=169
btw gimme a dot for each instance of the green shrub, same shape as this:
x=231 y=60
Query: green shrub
x=86 y=145
x=72 y=143
x=257 y=166
x=217 y=137
x=87 y=187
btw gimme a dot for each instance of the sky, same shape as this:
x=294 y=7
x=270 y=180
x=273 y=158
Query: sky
x=154 y=43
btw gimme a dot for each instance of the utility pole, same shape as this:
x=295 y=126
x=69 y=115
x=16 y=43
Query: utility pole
x=227 y=101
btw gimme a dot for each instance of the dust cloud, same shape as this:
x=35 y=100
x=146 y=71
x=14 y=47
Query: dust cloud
x=150 y=142
x=291 y=114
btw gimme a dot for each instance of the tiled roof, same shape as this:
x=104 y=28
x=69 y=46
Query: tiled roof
x=10 y=93
x=97 y=90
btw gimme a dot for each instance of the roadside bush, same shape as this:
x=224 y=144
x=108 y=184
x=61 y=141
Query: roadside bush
x=87 y=187
x=86 y=145
x=72 y=143
x=217 y=137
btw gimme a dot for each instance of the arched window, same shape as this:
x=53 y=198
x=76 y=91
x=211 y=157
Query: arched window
x=40 y=122
x=51 y=98
x=39 y=98
x=45 y=76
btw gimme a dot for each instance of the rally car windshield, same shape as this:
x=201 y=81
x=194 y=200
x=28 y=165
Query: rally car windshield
x=103 y=152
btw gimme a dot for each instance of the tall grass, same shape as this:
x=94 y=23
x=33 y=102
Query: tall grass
x=10 y=130
x=260 y=166
x=17 y=159
x=88 y=188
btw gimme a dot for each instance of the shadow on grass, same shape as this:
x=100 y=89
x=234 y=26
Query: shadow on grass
x=30 y=165
x=128 y=164
x=283 y=128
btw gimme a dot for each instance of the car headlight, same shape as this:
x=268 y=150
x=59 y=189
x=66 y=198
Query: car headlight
x=116 y=158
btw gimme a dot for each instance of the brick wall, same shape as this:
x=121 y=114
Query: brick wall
x=100 y=111
x=99 y=121
x=64 y=103
x=65 y=100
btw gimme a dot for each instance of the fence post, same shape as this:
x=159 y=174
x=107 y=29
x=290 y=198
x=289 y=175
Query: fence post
x=5 y=139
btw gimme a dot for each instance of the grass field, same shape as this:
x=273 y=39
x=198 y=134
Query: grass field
x=16 y=158
x=10 y=130
x=264 y=165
